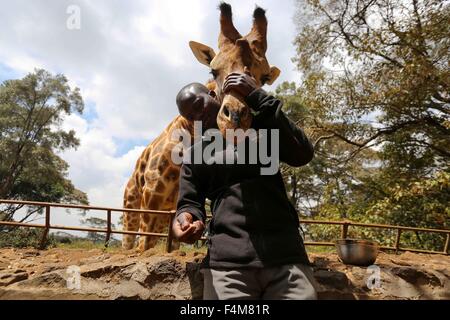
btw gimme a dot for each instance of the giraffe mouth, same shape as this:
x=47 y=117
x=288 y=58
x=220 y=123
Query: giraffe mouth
x=231 y=115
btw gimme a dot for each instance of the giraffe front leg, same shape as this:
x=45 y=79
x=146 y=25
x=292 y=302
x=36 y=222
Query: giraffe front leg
x=175 y=242
x=158 y=224
x=148 y=222
x=130 y=223
x=165 y=226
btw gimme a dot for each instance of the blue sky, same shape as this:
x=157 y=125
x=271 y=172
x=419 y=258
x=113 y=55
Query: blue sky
x=8 y=73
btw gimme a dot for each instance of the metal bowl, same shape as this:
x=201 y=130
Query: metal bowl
x=357 y=252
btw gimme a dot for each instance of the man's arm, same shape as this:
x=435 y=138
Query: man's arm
x=295 y=148
x=190 y=216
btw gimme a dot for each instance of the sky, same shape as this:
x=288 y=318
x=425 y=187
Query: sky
x=129 y=59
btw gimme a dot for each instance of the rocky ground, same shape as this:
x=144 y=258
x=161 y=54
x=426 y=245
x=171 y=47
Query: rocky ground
x=52 y=274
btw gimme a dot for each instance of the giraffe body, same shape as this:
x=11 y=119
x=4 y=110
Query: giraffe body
x=154 y=186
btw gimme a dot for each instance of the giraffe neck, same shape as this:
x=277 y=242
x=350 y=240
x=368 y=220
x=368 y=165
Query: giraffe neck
x=181 y=123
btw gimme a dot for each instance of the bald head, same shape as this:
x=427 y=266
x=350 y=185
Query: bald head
x=197 y=103
x=187 y=96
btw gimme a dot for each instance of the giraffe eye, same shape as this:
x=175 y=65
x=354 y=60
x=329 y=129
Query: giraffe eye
x=264 y=79
x=214 y=73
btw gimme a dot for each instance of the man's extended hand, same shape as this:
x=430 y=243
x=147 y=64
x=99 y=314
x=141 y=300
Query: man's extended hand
x=185 y=230
x=241 y=83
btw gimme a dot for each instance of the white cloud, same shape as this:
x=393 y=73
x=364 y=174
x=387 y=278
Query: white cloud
x=95 y=168
x=23 y=63
x=164 y=21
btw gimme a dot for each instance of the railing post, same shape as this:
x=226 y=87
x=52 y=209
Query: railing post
x=447 y=244
x=170 y=234
x=47 y=227
x=108 y=227
x=344 y=230
x=397 y=240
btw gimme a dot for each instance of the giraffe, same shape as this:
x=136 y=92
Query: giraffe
x=153 y=185
x=154 y=182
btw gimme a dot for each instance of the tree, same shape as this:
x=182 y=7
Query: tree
x=334 y=174
x=376 y=89
x=97 y=223
x=32 y=110
x=336 y=186
x=423 y=204
x=389 y=61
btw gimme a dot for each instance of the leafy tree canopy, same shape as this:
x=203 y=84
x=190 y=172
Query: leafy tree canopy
x=375 y=99
x=32 y=110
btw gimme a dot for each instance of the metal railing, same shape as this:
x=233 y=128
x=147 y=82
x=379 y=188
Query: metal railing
x=344 y=226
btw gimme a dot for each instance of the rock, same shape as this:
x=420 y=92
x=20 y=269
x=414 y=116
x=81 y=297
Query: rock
x=48 y=280
x=164 y=271
x=7 y=279
x=50 y=268
x=332 y=279
x=129 y=290
x=152 y=275
x=413 y=275
x=19 y=271
x=138 y=272
x=30 y=253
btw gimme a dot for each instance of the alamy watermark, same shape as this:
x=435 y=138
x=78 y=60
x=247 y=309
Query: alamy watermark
x=73 y=21
x=73 y=281
x=239 y=147
x=373 y=280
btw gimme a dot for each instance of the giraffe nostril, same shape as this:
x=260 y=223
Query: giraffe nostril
x=236 y=119
x=232 y=117
x=226 y=112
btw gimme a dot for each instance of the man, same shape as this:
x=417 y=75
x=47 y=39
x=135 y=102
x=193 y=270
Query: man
x=255 y=250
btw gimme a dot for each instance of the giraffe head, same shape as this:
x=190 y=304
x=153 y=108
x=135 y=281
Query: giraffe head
x=237 y=54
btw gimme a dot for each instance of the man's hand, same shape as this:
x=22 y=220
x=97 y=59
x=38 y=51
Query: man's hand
x=241 y=83
x=185 y=230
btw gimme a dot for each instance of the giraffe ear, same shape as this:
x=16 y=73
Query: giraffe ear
x=203 y=53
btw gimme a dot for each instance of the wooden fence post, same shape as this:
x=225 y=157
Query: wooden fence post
x=169 y=233
x=397 y=240
x=344 y=230
x=447 y=244
x=108 y=228
x=47 y=227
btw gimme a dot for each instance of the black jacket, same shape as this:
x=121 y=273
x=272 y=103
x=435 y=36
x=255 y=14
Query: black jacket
x=253 y=224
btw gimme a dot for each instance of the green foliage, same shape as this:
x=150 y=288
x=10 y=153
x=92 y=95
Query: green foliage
x=24 y=238
x=422 y=203
x=32 y=111
x=376 y=73
x=375 y=100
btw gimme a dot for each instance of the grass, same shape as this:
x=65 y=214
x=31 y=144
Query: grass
x=320 y=249
x=88 y=245
x=160 y=248
x=192 y=249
